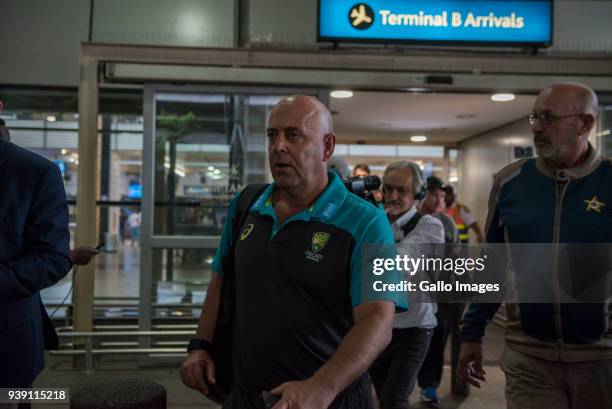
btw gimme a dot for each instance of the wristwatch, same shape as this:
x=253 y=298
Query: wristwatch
x=198 y=343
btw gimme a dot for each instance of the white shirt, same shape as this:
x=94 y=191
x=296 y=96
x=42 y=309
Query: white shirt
x=467 y=217
x=421 y=241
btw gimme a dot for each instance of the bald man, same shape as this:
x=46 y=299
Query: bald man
x=306 y=327
x=558 y=355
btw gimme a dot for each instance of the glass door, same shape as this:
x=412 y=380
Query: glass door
x=201 y=146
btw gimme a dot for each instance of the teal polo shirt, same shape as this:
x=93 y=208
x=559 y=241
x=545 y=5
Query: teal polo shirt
x=298 y=282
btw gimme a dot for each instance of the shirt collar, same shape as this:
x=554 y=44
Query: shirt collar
x=324 y=208
x=405 y=218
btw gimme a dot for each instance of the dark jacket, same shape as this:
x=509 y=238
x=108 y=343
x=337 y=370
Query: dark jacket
x=34 y=254
x=563 y=215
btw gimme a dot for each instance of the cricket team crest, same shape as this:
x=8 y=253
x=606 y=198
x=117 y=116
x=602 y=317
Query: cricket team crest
x=319 y=240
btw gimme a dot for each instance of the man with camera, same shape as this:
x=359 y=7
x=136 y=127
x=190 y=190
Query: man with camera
x=306 y=323
x=395 y=371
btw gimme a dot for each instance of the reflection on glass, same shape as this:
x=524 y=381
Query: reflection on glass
x=207 y=147
x=604 y=131
x=184 y=284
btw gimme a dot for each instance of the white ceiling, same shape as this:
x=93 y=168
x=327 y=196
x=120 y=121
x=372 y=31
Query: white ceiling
x=394 y=116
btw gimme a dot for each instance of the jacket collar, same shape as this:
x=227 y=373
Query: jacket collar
x=582 y=170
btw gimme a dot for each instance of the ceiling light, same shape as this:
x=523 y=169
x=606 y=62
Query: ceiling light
x=418 y=138
x=51 y=118
x=216 y=172
x=341 y=93
x=64 y=151
x=211 y=168
x=502 y=97
x=465 y=116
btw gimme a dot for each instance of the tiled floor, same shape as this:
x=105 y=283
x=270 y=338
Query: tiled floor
x=59 y=373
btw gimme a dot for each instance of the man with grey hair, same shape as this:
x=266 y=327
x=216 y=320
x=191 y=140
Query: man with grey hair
x=557 y=354
x=395 y=371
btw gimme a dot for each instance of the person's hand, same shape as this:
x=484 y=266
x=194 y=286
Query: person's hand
x=198 y=371
x=308 y=394
x=470 y=364
x=83 y=255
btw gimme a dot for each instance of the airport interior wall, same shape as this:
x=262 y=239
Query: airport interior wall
x=483 y=156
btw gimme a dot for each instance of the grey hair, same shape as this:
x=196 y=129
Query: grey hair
x=418 y=183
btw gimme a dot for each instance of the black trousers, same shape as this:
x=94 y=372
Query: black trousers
x=449 y=316
x=395 y=370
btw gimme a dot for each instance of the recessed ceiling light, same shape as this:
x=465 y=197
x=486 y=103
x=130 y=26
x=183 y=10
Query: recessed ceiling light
x=502 y=97
x=418 y=138
x=341 y=93
x=51 y=118
x=466 y=116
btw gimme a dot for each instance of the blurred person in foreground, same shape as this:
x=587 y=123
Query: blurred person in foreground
x=80 y=255
x=557 y=355
x=34 y=255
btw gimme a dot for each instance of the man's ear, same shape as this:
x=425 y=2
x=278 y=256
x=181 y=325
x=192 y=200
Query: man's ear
x=588 y=122
x=329 y=144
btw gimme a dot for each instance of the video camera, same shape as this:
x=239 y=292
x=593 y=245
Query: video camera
x=363 y=187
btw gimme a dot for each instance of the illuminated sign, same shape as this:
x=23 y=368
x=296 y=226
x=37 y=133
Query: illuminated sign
x=495 y=22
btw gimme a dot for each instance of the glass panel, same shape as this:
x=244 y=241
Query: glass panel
x=604 y=131
x=182 y=280
x=207 y=147
x=46 y=122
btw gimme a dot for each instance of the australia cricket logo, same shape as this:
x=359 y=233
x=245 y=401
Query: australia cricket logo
x=319 y=240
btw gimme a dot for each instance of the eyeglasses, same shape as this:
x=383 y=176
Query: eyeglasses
x=547 y=119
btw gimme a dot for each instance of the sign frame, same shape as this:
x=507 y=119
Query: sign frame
x=390 y=41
